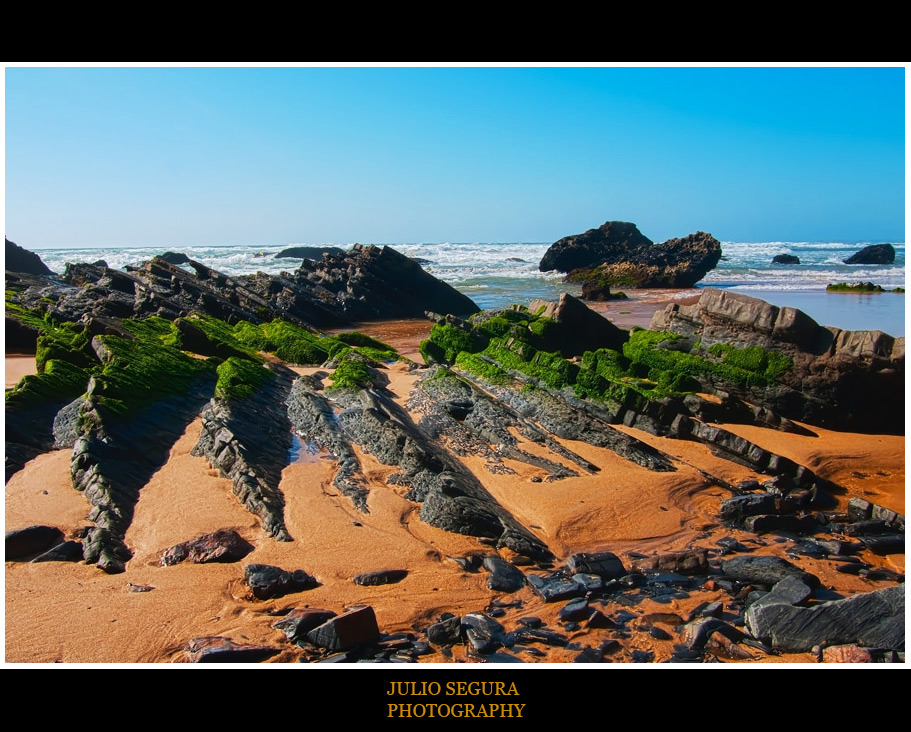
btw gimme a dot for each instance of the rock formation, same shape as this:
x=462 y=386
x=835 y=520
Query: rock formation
x=618 y=254
x=22 y=260
x=834 y=377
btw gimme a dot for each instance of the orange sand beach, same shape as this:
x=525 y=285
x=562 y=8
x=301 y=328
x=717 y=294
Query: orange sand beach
x=74 y=613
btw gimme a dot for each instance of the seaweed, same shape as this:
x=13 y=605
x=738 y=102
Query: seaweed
x=238 y=378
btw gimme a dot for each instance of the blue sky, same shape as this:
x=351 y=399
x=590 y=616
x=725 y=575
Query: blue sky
x=208 y=156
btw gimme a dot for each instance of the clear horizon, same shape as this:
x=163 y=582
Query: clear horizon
x=200 y=157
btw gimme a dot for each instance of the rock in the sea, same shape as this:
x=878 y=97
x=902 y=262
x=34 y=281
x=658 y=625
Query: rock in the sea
x=870 y=619
x=504 y=577
x=266 y=581
x=618 y=254
x=22 y=260
x=218 y=649
x=353 y=628
x=381 y=577
x=785 y=259
x=224 y=545
x=308 y=252
x=174 y=258
x=31 y=540
x=873 y=254
x=611 y=239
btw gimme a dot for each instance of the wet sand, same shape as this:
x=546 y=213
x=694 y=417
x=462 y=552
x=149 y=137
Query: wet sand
x=18 y=366
x=76 y=613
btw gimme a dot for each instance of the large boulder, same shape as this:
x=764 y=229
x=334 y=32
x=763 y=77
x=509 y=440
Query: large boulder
x=873 y=254
x=618 y=254
x=22 y=260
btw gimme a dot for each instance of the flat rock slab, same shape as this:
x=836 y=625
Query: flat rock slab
x=218 y=649
x=790 y=591
x=354 y=628
x=267 y=581
x=871 y=619
x=765 y=571
x=224 y=545
x=31 y=540
x=381 y=577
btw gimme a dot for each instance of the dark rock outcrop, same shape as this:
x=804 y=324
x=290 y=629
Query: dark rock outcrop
x=224 y=545
x=835 y=374
x=248 y=440
x=109 y=470
x=873 y=254
x=365 y=283
x=618 y=254
x=871 y=619
x=22 y=260
x=785 y=259
x=452 y=497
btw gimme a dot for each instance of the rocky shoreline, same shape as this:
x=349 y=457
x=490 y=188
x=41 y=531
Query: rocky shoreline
x=534 y=402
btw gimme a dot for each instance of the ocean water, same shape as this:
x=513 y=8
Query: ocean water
x=498 y=274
